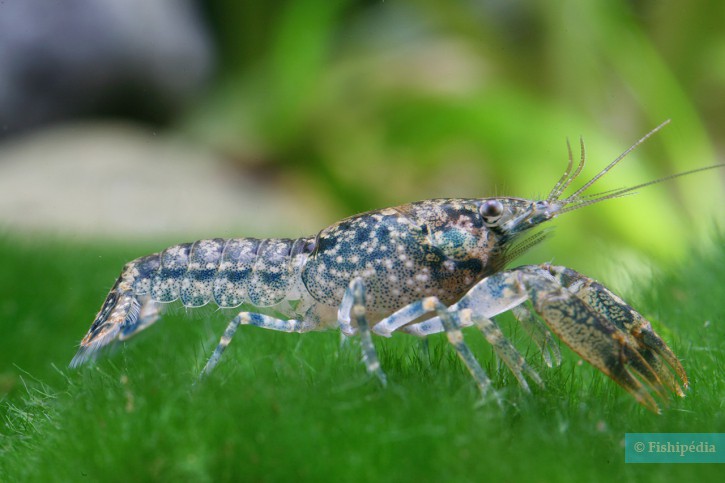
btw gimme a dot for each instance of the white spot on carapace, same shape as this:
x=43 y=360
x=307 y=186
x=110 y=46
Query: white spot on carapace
x=574 y=287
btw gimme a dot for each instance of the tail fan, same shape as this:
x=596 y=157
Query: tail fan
x=116 y=320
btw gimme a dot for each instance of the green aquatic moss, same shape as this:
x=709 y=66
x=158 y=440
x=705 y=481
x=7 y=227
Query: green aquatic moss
x=283 y=406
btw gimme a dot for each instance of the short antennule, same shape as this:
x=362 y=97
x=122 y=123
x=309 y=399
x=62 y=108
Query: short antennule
x=563 y=182
x=568 y=176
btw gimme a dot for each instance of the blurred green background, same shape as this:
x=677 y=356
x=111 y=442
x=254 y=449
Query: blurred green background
x=369 y=104
x=334 y=107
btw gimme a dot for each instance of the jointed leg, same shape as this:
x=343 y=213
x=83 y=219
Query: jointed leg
x=404 y=316
x=455 y=337
x=249 y=318
x=539 y=334
x=504 y=349
x=445 y=321
x=425 y=328
x=356 y=293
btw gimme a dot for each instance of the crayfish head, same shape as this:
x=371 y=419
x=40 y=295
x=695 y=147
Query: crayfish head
x=509 y=218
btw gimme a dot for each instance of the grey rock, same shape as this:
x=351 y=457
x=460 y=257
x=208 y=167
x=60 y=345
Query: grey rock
x=72 y=58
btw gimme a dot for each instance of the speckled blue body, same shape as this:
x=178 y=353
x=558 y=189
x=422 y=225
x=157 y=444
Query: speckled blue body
x=435 y=248
x=429 y=248
x=421 y=268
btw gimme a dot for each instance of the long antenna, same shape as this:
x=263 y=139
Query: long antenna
x=574 y=196
x=607 y=195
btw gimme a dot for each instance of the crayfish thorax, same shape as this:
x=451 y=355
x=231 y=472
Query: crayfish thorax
x=469 y=239
x=455 y=230
x=429 y=248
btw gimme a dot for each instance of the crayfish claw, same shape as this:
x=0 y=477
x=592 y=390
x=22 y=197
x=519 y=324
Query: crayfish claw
x=642 y=350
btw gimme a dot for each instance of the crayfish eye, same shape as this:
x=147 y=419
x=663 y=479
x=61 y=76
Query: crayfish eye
x=491 y=211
